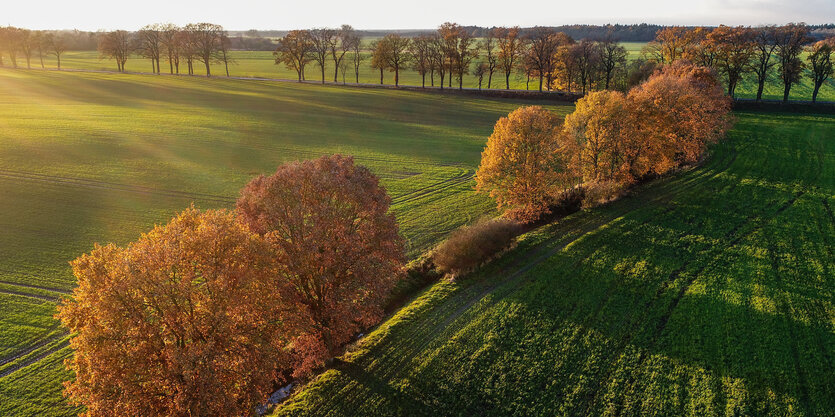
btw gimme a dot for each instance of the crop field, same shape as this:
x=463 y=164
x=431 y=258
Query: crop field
x=709 y=292
x=262 y=64
x=90 y=158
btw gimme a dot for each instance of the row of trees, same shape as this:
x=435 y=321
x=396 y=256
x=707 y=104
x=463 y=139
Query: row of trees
x=453 y=52
x=28 y=44
x=204 y=315
x=736 y=51
x=196 y=42
x=610 y=141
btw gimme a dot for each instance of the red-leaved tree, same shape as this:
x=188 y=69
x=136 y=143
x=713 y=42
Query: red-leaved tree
x=335 y=245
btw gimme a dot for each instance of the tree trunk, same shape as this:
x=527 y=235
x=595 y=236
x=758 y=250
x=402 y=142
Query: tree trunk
x=507 y=81
x=42 y=65
x=171 y=63
x=423 y=80
x=208 y=70
x=760 y=87
x=540 y=82
x=226 y=64
x=323 y=73
x=815 y=92
x=59 y=61
x=153 y=67
x=396 y=77
x=460 y=81
x=489 y=80
x=786 y=88
x=381 y=76
x=335 y=71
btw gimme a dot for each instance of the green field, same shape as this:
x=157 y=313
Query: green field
x=262 y=64
x=711 y=292
x=90 y=158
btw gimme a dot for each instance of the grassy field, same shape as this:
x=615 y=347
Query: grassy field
x=90 y=158
x=262 y=64
x=710 y=292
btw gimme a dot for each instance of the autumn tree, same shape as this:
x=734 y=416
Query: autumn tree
x=820 y=64
x=187 y=47
x=587 y=56
x=438 y=60
x=734 y=48
x=510 y=51
x=223 y=51
x=491 y=59
x=28 y=43
x=117 y=45
x=765 y=42
x=466 y=51
x=790 y=40
x=206 y=41
x=566 y=67
x=523 y=165
x=678 y=112
x=57 y=46
x=321 y=41
x=170 y=45
x=449 y=36
x=481 y=69
x=150 y=45
x=335 y=245
x=394 y=51
x=421 y=54
x=671 y=43
x=600 y=138
x=182 y=322
x=342 y=43
x=39 y=42
x=356 y=55
x=612 y=59
x=379 y=57
x=543 y=45
x=294 y=51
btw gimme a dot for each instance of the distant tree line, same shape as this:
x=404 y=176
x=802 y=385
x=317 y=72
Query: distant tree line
x=552 y=59
x=765 y=51
x=205 y=43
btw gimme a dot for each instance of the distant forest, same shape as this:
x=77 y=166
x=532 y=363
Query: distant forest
x=264 y=40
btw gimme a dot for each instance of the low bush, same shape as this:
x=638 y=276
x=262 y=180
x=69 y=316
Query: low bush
x=470 y=246
x=602 y=192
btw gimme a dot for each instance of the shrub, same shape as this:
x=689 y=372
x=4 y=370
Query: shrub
x=470 y=246
x=602 y=192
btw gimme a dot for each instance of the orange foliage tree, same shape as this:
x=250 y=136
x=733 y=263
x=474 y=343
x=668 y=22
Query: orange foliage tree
x=178 y=323
x=600 y=134
x=678 y=112
x=524 y=163
x=336 y=248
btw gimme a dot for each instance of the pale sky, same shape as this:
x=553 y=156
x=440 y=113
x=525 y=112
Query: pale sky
x=410 y=14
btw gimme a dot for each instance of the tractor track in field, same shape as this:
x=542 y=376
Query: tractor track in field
x=33 y=360
x=43 y=298
x=35 y=346
x=98 y=184
x=36 y=287
x=434 y=188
